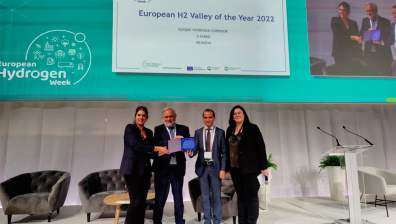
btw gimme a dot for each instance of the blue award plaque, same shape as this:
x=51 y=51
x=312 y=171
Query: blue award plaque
x=187 y=144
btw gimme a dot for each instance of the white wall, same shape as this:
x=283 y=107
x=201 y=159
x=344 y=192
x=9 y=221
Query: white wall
x=83 y=137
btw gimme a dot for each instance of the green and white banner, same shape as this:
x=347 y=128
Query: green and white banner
x=63 y=50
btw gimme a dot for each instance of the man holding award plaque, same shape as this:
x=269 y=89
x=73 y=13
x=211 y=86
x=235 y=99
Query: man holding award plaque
x=376 y=38
x=169 y=169
x=210 y=165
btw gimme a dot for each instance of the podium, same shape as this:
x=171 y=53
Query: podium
x=350 y=153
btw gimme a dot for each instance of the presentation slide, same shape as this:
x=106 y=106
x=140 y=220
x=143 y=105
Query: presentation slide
x=227 y=37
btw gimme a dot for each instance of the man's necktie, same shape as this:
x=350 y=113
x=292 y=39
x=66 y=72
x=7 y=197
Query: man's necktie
x=207 y=143
x=172 y=132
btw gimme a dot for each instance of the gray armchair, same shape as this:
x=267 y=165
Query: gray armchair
x=229 y=202
x=378 y=182
x=41 y=192
x=96 y=186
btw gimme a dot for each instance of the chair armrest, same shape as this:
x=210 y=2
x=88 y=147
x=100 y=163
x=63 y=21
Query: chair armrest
x=195 y=191
x=390 y=177
x=370 y=183
x=84 y=195
x=17 y=185
x=235 y=197
x=4 y=198
x=91 y=184
x=59 y=191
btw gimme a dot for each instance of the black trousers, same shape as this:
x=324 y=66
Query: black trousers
x=162 y=182
x=246 y=187
x=137 y=189
x=377 y=64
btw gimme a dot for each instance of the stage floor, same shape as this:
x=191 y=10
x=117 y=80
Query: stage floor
x=303 y=210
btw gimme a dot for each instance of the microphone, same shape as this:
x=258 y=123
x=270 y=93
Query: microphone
x=365 y=139
x=327 y=133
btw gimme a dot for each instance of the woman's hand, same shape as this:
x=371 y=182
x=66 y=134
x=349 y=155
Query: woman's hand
x=222 y=174
x=161 y=150
x=265 y=172
x=357 y=38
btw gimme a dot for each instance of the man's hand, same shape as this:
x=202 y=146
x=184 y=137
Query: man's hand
x=190 y=153
x=378 y=42
x=179 y=137
x=161 y=150
x=222 y=174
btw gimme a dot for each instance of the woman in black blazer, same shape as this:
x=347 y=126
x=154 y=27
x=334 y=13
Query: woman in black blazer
x=247 y=159
x=347 y=51
x=136 y=166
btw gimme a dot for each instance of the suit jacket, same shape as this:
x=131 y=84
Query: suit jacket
x=343 y=47
x=384 y=26
x=252 y=153
x=392 y=32
x=219 y=155
x=161 y=137
x=137 y=151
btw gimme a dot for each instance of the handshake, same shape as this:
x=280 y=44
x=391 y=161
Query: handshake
x=161 y=150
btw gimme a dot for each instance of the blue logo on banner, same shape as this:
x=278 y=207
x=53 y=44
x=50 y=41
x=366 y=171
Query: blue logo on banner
x=190 y=68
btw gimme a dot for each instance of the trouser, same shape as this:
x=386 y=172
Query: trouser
x=137 y=189
x=162 y=182
x=211 y=195
x=246 y=187
x=378 y=64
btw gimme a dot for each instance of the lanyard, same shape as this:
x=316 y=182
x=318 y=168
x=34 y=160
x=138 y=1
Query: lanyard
x=169 y=132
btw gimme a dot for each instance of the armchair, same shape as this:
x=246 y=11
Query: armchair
x=41 y=192
x=229 y=202
x=378 y=182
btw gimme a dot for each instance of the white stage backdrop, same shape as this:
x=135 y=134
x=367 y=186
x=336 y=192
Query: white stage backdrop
x=81 y=138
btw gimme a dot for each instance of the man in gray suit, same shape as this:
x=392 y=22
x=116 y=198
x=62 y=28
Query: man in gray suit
x=210 y=166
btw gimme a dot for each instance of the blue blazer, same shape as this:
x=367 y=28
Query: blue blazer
x=219 y=155
x=161 y=137
x=137 y=152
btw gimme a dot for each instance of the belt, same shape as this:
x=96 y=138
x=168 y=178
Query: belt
x=208 y=162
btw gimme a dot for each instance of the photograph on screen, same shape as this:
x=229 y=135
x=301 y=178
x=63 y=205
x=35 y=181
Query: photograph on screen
x=352 y=38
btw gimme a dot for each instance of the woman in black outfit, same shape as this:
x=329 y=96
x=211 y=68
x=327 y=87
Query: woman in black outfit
x=247 y=159
x=347 y=51
x=136 y=166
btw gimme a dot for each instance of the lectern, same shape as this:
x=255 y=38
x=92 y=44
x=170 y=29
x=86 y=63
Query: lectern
x=350 y=152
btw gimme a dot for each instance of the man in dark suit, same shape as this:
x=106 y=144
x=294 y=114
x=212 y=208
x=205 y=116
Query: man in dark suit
x=393 y=26
x=210 y=165
x=377 y=52
x=393 y=39
x=169 y=169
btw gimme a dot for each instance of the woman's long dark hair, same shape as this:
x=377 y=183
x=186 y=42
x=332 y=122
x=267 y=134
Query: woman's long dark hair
x=346 y=5
x=143 y=108
x=231 y=121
